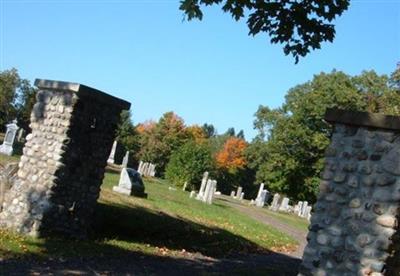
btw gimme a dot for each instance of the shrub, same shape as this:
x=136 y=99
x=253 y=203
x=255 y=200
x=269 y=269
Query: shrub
x=189 y=163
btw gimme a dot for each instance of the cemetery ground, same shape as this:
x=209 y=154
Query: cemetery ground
x=168 y=234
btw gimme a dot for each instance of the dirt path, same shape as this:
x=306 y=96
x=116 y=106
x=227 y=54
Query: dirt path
x=263 y=217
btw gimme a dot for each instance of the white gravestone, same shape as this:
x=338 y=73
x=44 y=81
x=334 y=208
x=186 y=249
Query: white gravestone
x=239 y=192
x=112 y=153
x=206 y=191
x=260 y=190
x=307 y=213
x=284 y=205
x=7 y=146
x=140 y=167
x=210 y=190
x=296 y=208
x=125 y=160
x=203 y=186
x=125 y=184
x=241 y=196
x=300 y=208
x=261 y=200
x=192 y=194
x=184 y=186
x=303 y=209
x=153 y=170
x=275 y=202
x=233 y=194
x=20 y=135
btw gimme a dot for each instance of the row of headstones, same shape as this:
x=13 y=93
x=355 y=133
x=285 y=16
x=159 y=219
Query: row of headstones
x=301 y=209
x=12 y=131
x=146 y=169
x=239 y=193
x=208 y=189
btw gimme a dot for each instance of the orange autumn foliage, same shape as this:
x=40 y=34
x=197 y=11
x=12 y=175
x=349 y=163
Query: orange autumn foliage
x=196 y=133
x=147 y=126
x=232 y=154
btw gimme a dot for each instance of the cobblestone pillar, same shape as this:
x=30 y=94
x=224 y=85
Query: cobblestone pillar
x=354 y=228
x=64 y=159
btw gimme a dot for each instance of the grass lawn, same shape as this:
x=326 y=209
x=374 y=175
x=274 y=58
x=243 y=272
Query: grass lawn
x=290 y=219
x=168 y=223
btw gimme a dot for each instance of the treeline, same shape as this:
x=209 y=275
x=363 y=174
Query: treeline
x=287 y=153
x=183 y=153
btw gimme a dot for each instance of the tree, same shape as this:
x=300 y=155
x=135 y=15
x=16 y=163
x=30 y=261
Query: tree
x=159 y=141
x=209 y=130
x=196 y=133
x=232 y=156
x=240 y=134
x=230 y=132
x=299 y=25
x=188 y=164
x=127 y=135
x=288 y=153
x=17 y=97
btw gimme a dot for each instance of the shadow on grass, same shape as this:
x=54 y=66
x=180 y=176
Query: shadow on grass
x=141 y=226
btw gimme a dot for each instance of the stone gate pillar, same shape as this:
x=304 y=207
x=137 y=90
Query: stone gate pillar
x=354 y=229
x=64 y=159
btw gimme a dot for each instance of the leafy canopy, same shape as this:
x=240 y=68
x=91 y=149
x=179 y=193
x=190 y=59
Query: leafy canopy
x=288 y=153
x=188 y=163
x=299 y=25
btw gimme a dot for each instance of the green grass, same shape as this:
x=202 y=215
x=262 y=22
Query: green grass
x=289 y=219
x=4 y=159
x=167 y=223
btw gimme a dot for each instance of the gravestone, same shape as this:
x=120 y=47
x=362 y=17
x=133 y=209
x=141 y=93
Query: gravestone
x=300 y=208
x=140 y=167
x=124 y=184
x=303 y=209
x=354 y=227
x=239 y=192
x=284 y=205
x=209 y=195
x=192 y=194
x=20 y=135
x=7 y=146
x=260 y=190
x=233 y=194
x=275 y=202
x=112 y=153
x=203 y=186
x=64 y=159
x=261 y=200
x=125 y=160
x=307 y=213
x=241 y=196
x=130 y=183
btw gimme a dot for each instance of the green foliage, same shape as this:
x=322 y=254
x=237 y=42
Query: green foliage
x=288 y=152
x=127 y=134
x=160 y=141
x=209 y=130
x=16 y=99
x=188 y=163
x=230 y=132
x=240 y=134
x=299 y=25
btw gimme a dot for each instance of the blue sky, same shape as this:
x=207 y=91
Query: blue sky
x=209 y=71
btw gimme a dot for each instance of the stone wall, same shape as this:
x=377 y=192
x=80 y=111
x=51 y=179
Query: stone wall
x=354 y=228
x=64 y=159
